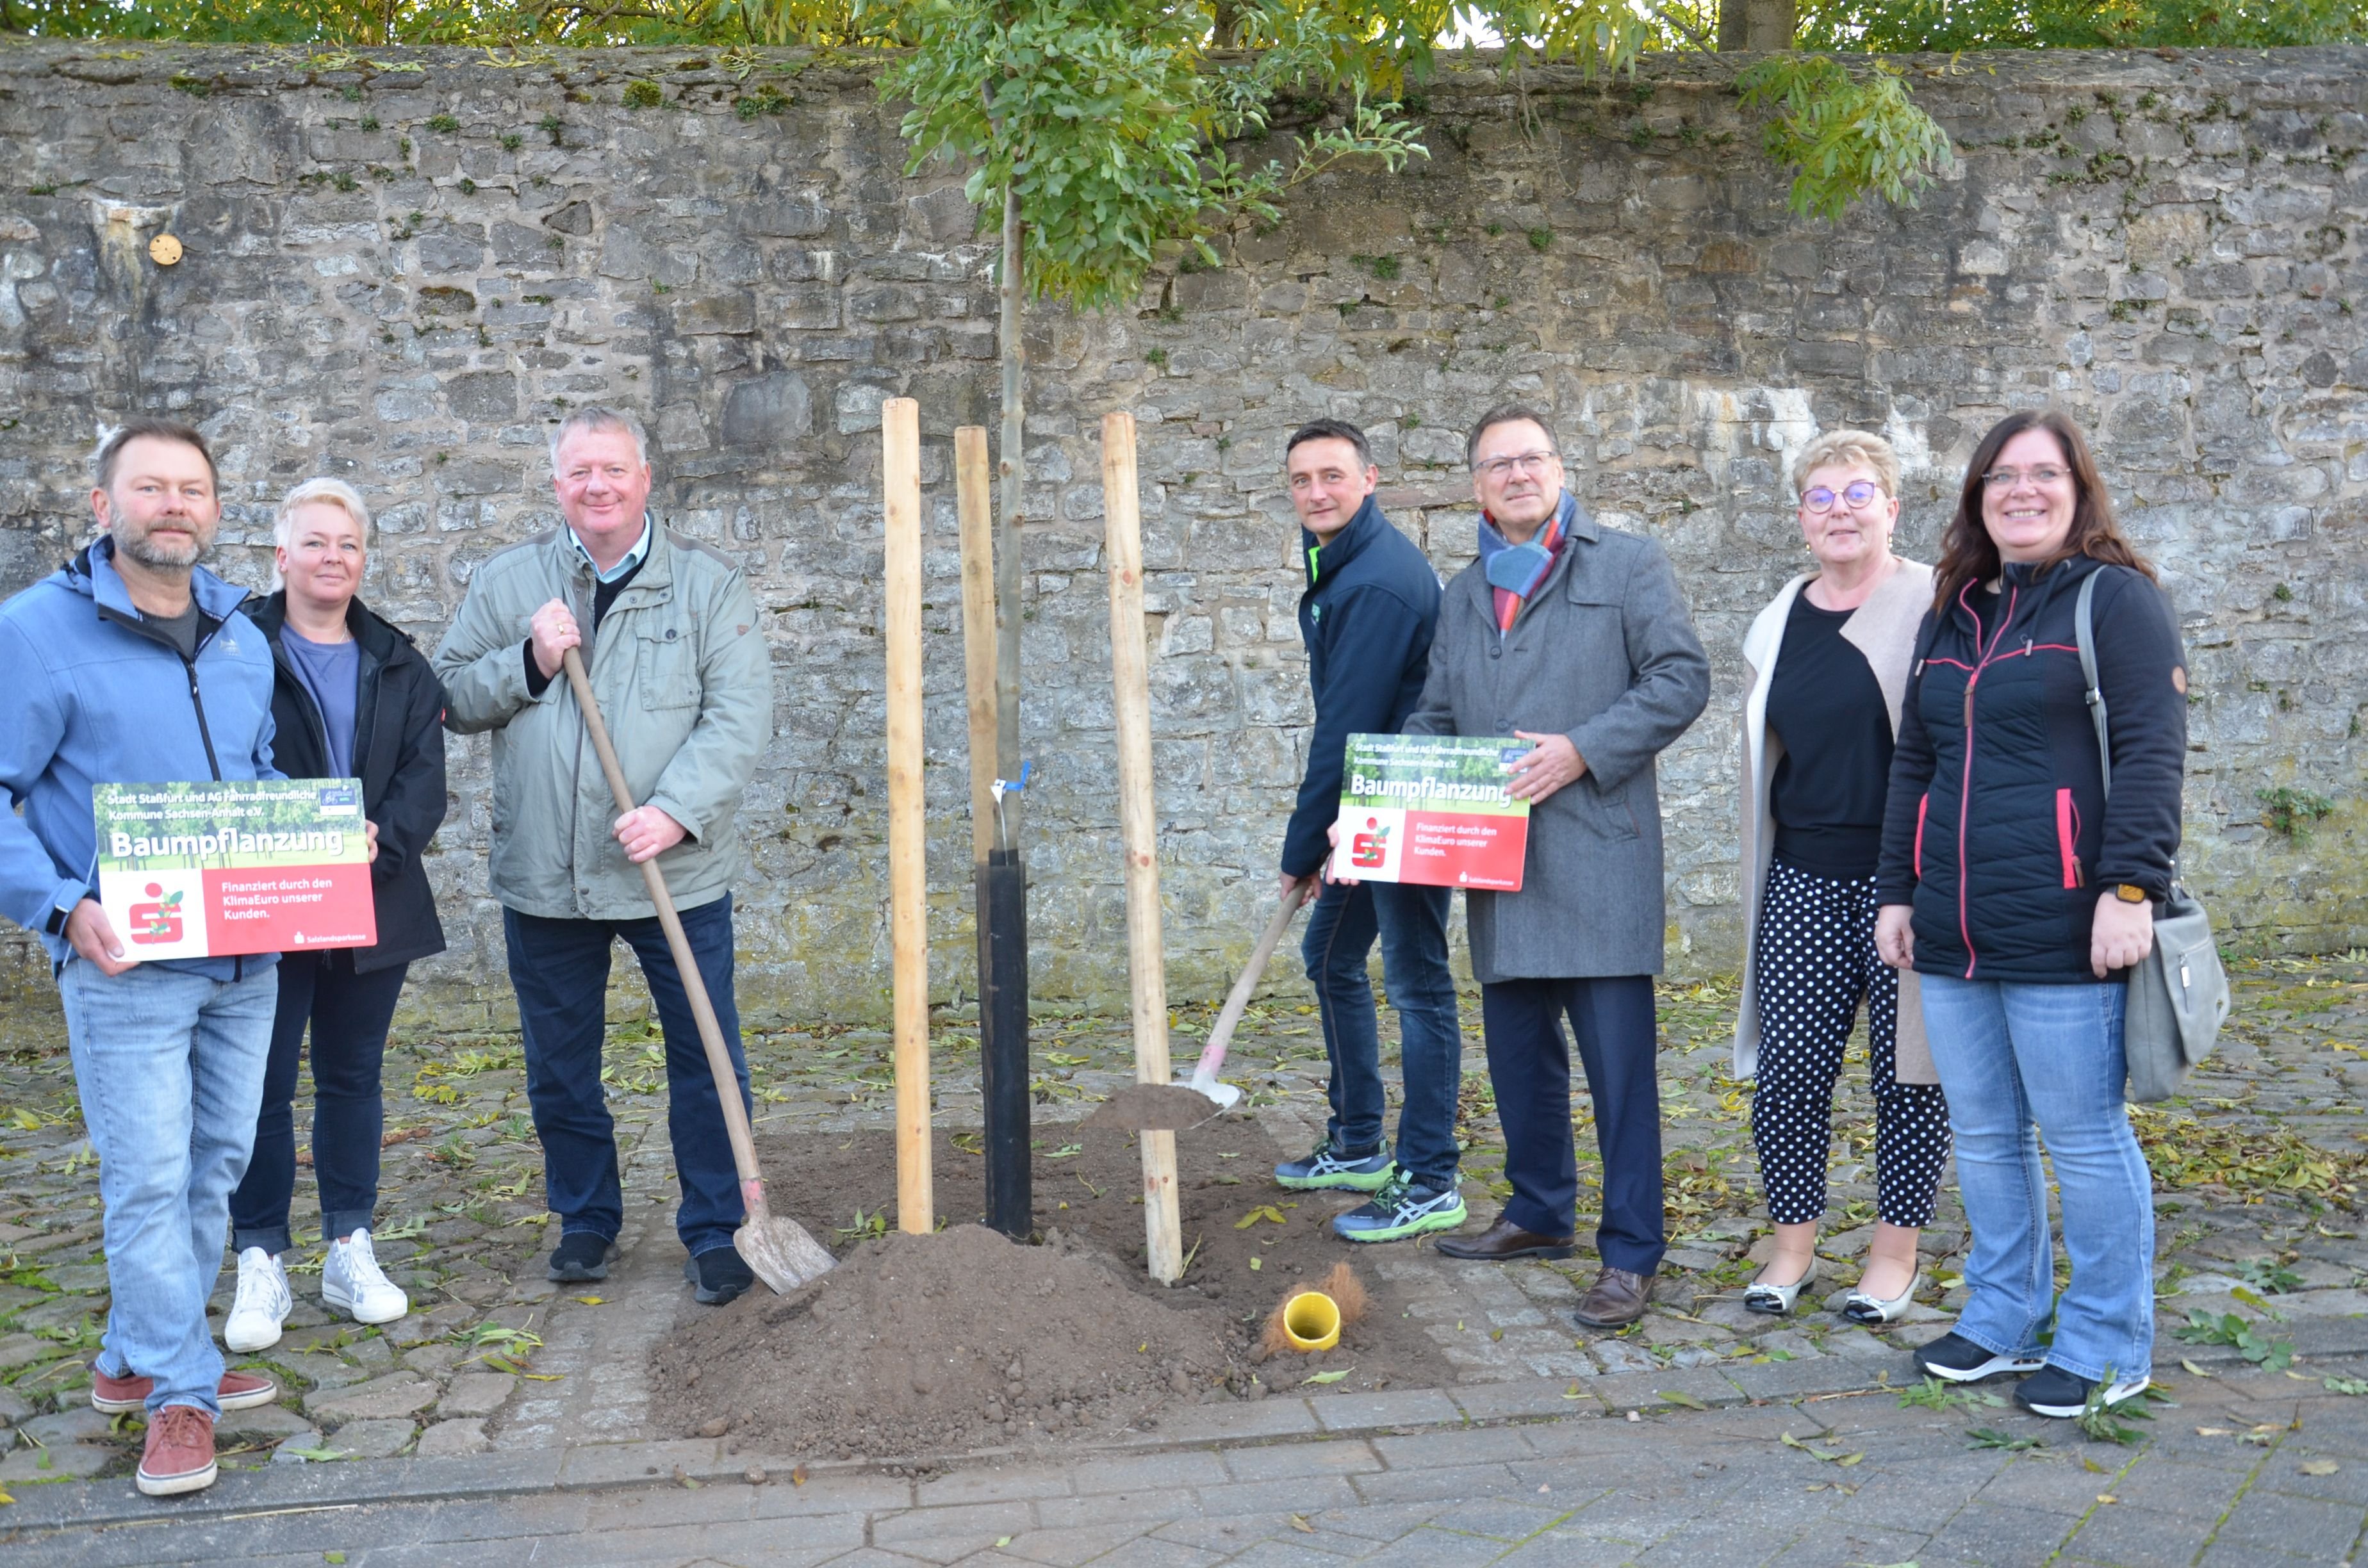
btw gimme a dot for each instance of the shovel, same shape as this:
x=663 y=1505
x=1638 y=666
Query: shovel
x=780 y=1251
x=1152 y=1107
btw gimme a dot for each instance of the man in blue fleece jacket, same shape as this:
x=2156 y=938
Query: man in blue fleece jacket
x=1367 y=616
x=132 y=663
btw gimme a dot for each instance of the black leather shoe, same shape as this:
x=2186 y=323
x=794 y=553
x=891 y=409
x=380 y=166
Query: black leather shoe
x=1504 y=1240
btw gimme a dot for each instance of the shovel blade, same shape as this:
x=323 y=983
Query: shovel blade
x=781 y=1252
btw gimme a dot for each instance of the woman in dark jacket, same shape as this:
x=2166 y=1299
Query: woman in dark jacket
x=2021 y=897
x=353 y=699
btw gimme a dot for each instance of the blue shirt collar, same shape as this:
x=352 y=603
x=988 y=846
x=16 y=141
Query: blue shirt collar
x=625 y=563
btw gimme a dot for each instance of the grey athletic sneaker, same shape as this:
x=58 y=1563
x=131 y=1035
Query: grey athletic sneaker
x=1403 y=1208
x=1331 y=1165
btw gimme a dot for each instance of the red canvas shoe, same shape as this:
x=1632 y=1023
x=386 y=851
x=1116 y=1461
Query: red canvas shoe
x=180 y=1452
x=120 y=1396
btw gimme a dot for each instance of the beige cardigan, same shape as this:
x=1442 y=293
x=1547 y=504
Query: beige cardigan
x=1883 y=630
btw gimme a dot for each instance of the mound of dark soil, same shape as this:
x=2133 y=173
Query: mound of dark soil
x=1077 y=1324
x=916 y=1344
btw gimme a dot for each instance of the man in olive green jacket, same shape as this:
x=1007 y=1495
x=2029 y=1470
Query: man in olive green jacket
x=678 y=664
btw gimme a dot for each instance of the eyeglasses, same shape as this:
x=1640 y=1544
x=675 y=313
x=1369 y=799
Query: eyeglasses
x=2008 y=477
x=1528 y=462
x=1858 y=493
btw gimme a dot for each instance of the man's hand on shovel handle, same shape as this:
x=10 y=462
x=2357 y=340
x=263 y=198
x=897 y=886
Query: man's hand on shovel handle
x=646 y=831
x=553 y=633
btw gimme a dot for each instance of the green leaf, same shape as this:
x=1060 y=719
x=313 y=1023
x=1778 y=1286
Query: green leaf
x=1332 y=1377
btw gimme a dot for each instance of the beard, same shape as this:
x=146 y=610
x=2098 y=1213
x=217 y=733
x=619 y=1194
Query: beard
x=144 y=547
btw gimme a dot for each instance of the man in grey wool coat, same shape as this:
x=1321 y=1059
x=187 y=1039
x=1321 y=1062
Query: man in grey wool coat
x=1573 y=637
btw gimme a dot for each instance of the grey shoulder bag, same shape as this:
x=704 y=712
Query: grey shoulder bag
x=2178 y=992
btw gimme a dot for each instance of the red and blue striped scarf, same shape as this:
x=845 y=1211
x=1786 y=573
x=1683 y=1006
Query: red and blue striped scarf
x=1514 y=571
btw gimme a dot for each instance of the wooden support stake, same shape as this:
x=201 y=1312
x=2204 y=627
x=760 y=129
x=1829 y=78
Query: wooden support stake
x=908 y=882
x=1139 y=829
x=971 y=491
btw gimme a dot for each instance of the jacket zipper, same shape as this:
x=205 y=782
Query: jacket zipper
x=197 y=701
x=1965 y=784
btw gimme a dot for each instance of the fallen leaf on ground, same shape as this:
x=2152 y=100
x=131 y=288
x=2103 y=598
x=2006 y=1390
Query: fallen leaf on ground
x=1329 y=1377
x=2107 y=1498
x=1302 y=1525
x=2193 y=1367
x=797 y=1476
x=2320 y=1467
x=2212 y=1431
x=1688 y=1400
x=593 y=1300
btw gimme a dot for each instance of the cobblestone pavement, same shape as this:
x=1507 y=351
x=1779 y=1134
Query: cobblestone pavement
x=2241 y=1468
x=2257 y=1169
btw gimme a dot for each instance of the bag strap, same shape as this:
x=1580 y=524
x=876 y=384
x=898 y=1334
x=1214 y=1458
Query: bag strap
x=2084 y=633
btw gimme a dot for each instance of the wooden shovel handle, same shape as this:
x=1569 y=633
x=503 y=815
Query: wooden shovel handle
x=710 y=1030
x=1237 y=1001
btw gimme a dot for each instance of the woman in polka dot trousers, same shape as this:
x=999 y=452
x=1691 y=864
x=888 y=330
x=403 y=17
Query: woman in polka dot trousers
x=1829 y=662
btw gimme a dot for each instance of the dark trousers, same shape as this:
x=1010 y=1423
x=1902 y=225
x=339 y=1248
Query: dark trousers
x=1410 y=922
x=348 y=1014
x=1529 y=1066
x=560 y=970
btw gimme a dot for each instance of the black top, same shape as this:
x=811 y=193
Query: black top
x=1827 y=708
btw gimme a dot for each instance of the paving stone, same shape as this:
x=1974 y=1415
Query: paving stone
x=298 y=1448
x=475 y=1393
x=80 y=1425
x=321 y=1370
x=59 y=1462
x=372 y=1439
x=451 y=1439
x=398 y=1393
x=269 y=1422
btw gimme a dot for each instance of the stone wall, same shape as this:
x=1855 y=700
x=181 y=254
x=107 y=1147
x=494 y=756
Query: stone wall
x=400 y=272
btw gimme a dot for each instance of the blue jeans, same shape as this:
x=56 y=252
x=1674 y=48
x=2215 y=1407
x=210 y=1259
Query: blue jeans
x=348 y=1014
x=2013 y=1057
x=169 y=1066
x=560 y=970
x=1411 y=922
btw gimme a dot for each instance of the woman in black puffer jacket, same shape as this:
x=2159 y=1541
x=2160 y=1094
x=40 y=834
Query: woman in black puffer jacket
x=2020 y=898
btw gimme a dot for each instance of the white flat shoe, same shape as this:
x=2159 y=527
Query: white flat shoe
x=1776 y=1300
x=1860 y=1307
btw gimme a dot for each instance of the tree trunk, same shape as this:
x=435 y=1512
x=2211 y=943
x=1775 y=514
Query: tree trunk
x=1013 y=472
x=1755 y=24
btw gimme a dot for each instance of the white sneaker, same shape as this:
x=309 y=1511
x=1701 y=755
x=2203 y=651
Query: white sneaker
x=261 y=1305
x=351 y=1280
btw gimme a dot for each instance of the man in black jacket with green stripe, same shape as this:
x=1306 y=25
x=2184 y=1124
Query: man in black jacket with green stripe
x=1367 y=616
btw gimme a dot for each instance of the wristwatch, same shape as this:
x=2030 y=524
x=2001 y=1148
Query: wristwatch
x=2129 y=895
